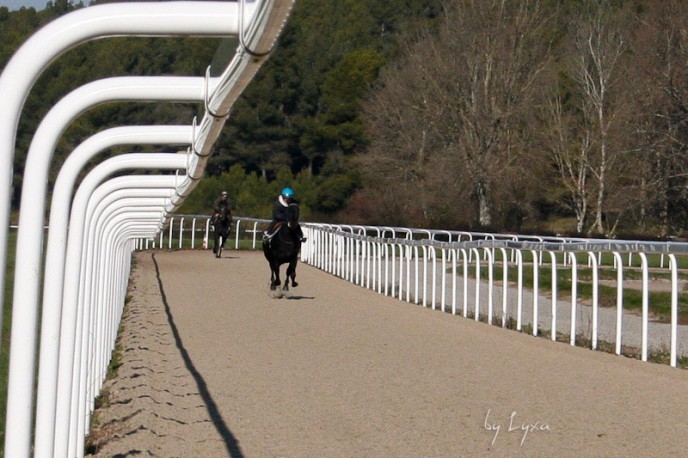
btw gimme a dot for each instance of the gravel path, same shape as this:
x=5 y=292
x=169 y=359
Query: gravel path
x=214 y=366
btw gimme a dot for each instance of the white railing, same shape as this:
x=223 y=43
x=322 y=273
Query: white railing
x=195 y=232
x=86 y=260
x=449 y=276
x=453 y=272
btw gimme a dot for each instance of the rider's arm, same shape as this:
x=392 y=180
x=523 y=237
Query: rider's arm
x=279 y=212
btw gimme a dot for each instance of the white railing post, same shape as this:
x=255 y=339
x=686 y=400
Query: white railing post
x=574 y=294
x=673 y=266
x=553 y=330
x=646 y=305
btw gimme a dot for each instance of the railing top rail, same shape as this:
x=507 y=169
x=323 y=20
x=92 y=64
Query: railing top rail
x=620 y=246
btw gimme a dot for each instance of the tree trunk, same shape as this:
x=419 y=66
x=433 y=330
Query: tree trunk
x=484 y=204
x=601 y=190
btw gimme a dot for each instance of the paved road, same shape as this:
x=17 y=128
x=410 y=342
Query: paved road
x=214 y=366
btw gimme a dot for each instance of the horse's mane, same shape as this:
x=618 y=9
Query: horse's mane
x=293 y=213
x=225 y=212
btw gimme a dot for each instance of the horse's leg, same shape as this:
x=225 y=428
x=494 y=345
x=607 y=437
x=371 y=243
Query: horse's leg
x=291 y=272
x=286 y=279
x=220 y=245
x=274 y=267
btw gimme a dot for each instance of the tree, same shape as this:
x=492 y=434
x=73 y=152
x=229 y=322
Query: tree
x=569 y=144
x=457 y=108
x=599 y=43
x=661 y=129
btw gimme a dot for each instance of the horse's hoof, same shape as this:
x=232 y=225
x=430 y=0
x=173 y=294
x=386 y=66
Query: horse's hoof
x=294 y=284
x=273 y=287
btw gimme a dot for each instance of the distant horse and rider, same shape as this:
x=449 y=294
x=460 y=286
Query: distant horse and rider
x=282 y=240
x=222 y=223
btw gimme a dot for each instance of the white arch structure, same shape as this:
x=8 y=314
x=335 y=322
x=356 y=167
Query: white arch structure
x=90 y=273
x=74 y=313
x=57 y=245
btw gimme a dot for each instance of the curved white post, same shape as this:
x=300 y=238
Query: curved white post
x=489 y=253
x=139 y=185
x=170 y=18
x=673 y=266
x=443 y=296
x=619 y=299
x=96 y=252
x=646 y=305
x=433 y=255
x=54 y=263
x=477 y=283
x=24 y=68
x=106 y=208
x=415 y=267
x=72 y=269
x=505 y=285
x=519 y=290
x=454 y=254
x=553 y=259
x=574 y=295
x=465 y=254
x=536 y=290
x=595 y=297
x=30 y=236
x=403 y=254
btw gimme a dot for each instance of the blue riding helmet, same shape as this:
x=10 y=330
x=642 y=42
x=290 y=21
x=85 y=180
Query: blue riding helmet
x=288 y=193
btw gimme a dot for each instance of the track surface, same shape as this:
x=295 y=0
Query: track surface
x=215 y=366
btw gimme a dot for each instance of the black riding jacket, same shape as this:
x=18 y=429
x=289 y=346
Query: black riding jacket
x=279 y=213
x=279 y=209
x=219 y=203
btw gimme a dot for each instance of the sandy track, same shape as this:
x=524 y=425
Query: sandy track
x=213 y=366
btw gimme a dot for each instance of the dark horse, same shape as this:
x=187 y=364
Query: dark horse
x=222 y=225
x=283 y=247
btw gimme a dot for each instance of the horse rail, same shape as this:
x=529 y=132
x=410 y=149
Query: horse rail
x=349 y=256
x=431 y=233
x=174 y=229
x=617 y=246
x=543 y=243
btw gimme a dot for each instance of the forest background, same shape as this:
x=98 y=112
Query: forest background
x=551 y=116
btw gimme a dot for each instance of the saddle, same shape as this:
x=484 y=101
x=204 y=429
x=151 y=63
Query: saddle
x=267 y=236
x=224 y=214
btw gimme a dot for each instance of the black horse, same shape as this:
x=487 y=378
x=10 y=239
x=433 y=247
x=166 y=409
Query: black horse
x=283 y=247
x=222 y=225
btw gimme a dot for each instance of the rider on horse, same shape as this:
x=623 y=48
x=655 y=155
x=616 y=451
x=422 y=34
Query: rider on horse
x=280 y=213
x=221 y=203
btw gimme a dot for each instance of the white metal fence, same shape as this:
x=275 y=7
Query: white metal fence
x=454 y=271
x=94 y=224
x=457 y=275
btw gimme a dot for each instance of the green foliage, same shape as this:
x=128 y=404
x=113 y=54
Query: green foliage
x=304 y=103
x=6 y=321
x=301 y=118
x=252 y=195
x=300 y=110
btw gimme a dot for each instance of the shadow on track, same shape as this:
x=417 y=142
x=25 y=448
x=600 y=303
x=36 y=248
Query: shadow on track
x=231 y=442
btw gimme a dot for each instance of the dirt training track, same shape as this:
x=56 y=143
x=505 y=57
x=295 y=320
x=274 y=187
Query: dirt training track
x=214 y=366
